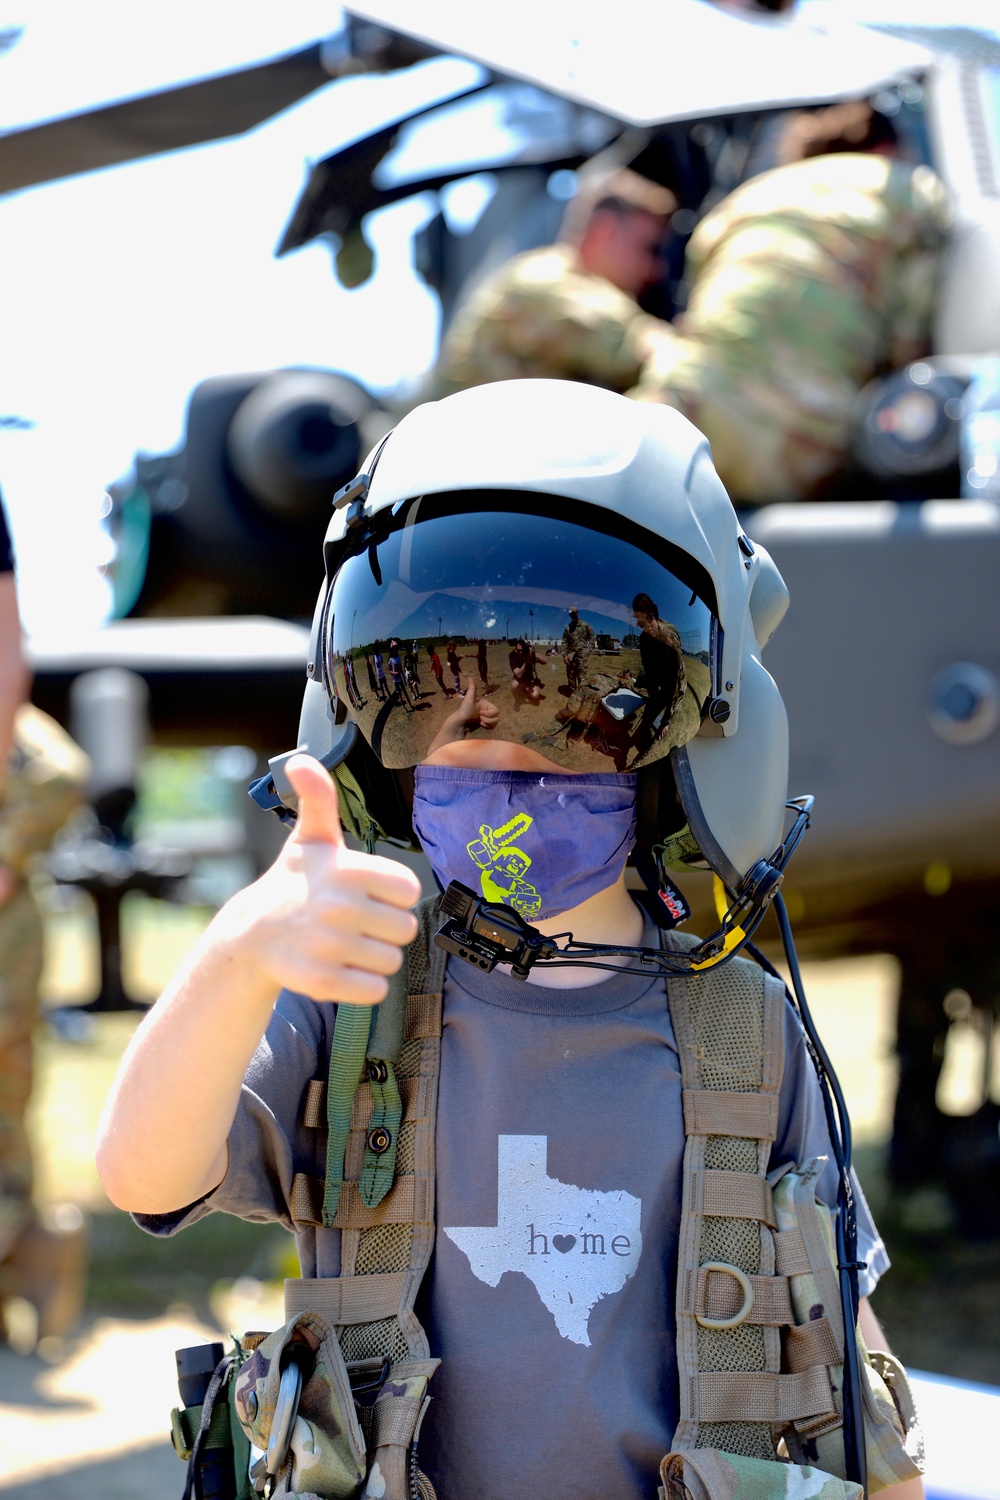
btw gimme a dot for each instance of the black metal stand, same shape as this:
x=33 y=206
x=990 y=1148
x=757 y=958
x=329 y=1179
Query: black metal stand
x=107 y=871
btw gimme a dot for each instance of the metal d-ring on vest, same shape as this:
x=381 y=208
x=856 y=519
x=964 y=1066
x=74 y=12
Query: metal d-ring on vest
x=744 y=1311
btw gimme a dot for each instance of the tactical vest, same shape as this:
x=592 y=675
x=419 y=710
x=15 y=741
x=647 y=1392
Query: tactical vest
x=759 y=1328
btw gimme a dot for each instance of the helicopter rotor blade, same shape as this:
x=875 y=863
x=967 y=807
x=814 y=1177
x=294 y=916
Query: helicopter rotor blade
x=171 y=119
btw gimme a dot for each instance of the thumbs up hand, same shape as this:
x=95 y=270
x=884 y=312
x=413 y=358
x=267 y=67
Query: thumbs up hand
x=325 y=920
x=470 y=714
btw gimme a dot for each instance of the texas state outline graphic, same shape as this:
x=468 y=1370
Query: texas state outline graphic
x=576 y=1245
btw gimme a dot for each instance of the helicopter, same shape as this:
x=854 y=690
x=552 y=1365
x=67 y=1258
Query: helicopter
x=889 y=661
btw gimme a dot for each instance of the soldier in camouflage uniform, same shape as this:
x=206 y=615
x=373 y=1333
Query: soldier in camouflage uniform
x=45 y=779
x=804 y=283
x=569 y=311
x=577 y=643
x=42 y=776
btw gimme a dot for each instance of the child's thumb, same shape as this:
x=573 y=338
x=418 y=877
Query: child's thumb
x=318 y=821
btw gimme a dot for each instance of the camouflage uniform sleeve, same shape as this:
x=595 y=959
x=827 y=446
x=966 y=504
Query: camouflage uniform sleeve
x=543 y=315
x=46 y=781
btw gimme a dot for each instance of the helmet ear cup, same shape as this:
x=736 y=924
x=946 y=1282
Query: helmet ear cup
x=734 y=791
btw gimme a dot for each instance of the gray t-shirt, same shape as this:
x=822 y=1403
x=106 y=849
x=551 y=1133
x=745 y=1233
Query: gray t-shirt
x=550 y=1296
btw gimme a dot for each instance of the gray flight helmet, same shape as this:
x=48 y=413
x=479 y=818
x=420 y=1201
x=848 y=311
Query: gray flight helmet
x=643 y=462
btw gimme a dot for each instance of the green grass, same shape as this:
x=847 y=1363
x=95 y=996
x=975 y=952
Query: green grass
x=940 y=1304
x=133 y=1274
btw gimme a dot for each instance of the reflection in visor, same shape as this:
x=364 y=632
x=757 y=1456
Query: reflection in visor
x=587 y=649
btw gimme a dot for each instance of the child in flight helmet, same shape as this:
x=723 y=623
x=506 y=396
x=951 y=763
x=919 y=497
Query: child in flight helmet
x=549 y=1297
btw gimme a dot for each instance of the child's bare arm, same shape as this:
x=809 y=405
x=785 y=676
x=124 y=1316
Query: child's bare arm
x=324 y=921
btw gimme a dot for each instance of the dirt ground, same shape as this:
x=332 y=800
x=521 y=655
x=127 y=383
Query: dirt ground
x=92 y=1416
x=575 y=731
x=95 y=1422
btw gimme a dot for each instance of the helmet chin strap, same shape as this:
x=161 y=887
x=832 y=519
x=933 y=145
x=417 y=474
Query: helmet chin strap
x=487 y=933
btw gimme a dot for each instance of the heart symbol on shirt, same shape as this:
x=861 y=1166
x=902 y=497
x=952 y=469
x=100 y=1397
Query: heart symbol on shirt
x=564 y=1242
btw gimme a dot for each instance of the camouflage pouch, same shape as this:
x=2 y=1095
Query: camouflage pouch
x=325 y=1452
x=583 y=707
x=893 y=1437
x=710 y=1474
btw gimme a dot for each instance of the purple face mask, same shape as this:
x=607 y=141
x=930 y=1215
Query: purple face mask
x=539 y=842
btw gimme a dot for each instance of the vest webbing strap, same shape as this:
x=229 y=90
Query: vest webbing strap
x=386 y=1216
x=791 y=1258
x=763 y=1396
x=383 y=1126
x=389 y=1020
x=711 y=1112
x=735 y=1392
x=413 y=1093
x=345 y=1300
x=314 y=1104
x=713 y=1294
x=410 y=1201
x=425 y=1011
x=812 y=1343
x=347 y=1059
x=734 y=1195
x=390 y=1423
x=728 y=1024
x=384 y=1046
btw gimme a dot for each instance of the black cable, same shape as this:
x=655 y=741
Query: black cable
x=580 y=954
x=839 y=1126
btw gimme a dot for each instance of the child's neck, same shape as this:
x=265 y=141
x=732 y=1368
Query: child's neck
x=609 y=917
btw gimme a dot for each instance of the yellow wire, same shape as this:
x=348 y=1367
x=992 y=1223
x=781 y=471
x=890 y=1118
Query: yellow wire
x=719 y=897
x=732 y=938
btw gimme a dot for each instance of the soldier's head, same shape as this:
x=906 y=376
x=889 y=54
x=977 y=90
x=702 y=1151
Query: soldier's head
x=619 y=222
x=646 y=613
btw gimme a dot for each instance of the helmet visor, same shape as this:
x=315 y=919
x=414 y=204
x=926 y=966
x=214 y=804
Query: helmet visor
x=593 y=641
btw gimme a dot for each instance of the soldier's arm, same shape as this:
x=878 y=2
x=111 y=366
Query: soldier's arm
x=587 y=330
x=46 y=782
x=14 y=679
x=911 y=303
x=541 y=316
x=14 y=683
x=323 y=921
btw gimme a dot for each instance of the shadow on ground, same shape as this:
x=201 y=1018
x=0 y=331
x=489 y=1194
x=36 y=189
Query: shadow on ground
x=149 y=1472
